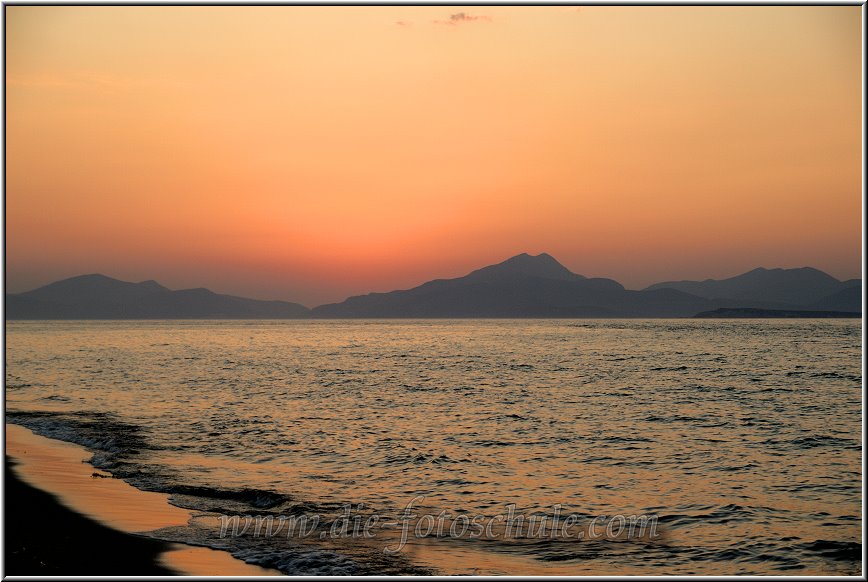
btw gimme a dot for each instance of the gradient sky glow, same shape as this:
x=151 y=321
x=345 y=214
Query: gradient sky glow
x=310 y=153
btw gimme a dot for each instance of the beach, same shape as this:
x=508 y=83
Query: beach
x=65 y=518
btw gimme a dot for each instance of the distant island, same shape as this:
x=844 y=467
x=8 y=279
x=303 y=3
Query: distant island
x=744 y=313
x=524 y=286
x=101 y=297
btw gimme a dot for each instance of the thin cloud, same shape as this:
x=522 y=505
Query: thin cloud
x=403 y=23
x=463 y=17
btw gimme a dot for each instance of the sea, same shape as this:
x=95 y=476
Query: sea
x=737 y=442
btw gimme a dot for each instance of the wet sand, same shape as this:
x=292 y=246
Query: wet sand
x=43 y=538
x=62 y=520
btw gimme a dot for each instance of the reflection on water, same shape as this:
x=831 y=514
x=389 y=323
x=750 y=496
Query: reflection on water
x=742 y=436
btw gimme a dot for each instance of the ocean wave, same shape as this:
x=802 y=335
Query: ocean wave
x=114 y=443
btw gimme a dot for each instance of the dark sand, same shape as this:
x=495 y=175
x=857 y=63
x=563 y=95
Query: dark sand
x=43 y=537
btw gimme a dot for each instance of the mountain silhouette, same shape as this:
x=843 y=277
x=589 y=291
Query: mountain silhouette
x=101 y=297
x=94 y=287
x=522 y=286
x=543 y=265
x=847 y=299
x=802 y=286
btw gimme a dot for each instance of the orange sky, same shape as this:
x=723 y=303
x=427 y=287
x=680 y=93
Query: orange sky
x=310 y=153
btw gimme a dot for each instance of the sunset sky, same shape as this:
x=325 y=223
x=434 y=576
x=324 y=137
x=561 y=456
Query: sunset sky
x=311 y=153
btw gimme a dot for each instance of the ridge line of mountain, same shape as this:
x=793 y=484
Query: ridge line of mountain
x=522 y=286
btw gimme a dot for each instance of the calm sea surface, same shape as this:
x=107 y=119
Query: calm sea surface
x=743 y=437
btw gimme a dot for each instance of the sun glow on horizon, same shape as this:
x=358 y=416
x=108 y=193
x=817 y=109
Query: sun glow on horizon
x=310 y=153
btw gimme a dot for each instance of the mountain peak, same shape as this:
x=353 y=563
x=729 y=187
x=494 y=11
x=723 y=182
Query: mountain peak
x=88 y=277
x=542 y=265
x=91 y=286
x=794 y=287
x=96 y=296
x=151 y=284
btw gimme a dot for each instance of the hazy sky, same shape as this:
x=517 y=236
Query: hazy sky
x=308 y=154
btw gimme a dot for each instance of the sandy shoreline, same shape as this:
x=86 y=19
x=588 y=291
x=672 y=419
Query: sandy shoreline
x=92 y=521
